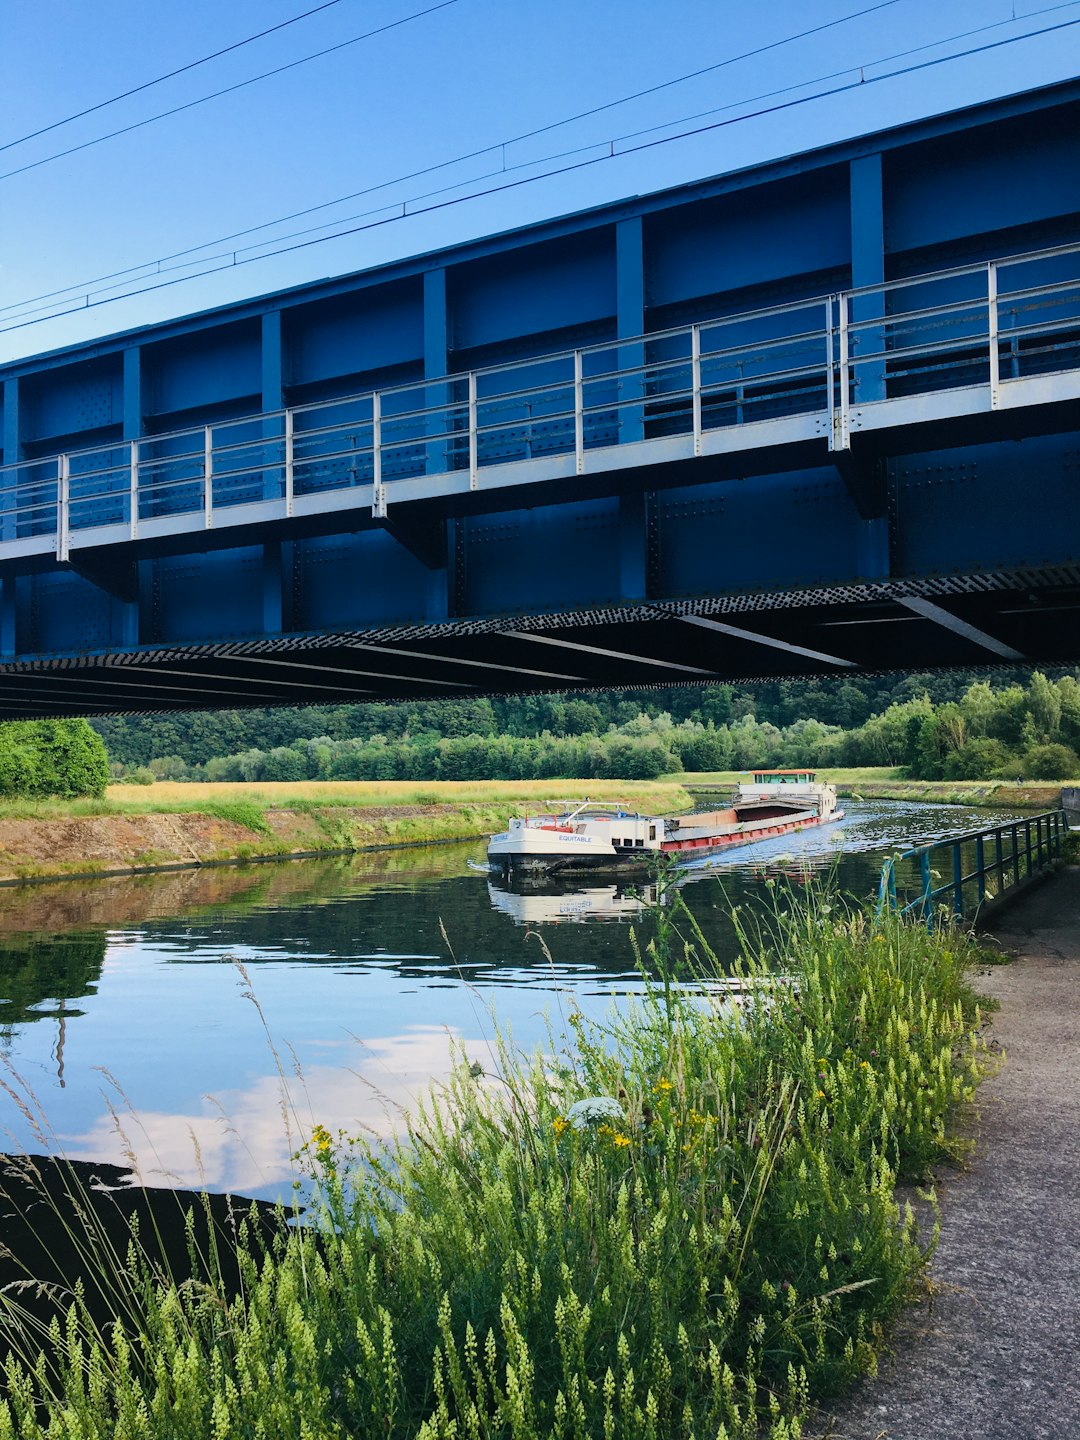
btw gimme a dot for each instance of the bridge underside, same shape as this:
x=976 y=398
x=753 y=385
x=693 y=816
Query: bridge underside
x=965 y=622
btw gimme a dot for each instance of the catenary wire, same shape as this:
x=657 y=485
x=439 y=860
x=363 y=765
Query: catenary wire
x=228 y=89
x=155 y=265
x=527 y=135
x=863 y=82
x=705 y=70
x=169 y=75
x=567 y=154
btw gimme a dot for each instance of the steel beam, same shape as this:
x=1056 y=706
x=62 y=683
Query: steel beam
x=737 y=632
x=324 y=669
x=608 y=654
x=467 y=663
x=940 y=616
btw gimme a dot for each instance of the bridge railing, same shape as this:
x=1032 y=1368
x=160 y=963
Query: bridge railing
x=838 y=359
x=974 y=325
x=952 y=880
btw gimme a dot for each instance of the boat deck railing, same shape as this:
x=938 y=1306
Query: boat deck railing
x=952 y=880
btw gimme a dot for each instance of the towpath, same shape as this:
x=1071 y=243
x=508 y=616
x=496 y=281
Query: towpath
x=995 y=1353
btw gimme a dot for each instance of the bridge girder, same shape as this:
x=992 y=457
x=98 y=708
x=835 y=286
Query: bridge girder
x=903 y=496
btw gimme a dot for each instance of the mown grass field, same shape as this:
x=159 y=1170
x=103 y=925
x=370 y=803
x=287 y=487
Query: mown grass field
x=173 y=797
x=366 y=793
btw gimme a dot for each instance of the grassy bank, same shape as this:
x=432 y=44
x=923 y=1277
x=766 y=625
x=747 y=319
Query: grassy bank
x=677 y=1223
x=139 y=827
x=883 y=783
x=135 y=827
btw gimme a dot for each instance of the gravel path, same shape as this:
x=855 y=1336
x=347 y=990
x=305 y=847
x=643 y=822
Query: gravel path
x=995 y=1352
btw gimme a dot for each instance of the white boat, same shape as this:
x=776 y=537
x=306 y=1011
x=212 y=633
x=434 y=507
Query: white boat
x=597 y=836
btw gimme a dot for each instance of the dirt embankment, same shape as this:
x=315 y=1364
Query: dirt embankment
x=53 y=846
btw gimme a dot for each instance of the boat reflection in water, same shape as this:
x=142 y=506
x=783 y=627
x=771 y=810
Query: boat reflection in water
x=786 y=867
x=533 y=902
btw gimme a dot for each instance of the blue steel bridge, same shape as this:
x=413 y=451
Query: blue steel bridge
x=820 y=416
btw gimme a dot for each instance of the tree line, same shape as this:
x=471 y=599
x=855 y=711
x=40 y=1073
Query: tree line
x=1029 y=728
x=196 y=737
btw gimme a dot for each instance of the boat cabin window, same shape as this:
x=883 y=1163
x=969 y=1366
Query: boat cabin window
x=785 y=777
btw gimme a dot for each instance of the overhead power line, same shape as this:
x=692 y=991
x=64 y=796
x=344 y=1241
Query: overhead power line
x=527 y=135
x=214 y=264
x=705 y=70
x=169 y=75
x=502 y=145
x=228 y=89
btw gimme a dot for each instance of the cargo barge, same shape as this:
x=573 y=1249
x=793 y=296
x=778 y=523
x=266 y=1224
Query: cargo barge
x=591 y=836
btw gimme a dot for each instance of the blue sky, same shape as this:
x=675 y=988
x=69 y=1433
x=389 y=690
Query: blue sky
x=472 y=74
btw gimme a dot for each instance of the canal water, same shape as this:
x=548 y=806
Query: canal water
x=202 y=1021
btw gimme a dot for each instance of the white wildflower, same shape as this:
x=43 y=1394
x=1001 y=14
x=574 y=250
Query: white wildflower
x=592 y=1110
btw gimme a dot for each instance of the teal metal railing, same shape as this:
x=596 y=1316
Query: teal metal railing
x=951 y=880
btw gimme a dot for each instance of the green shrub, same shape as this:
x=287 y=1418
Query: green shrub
x=52 y=757
x=977 y=759
x=239 y=812
x=18 y=767
x=141 y=775
x=1051 y=762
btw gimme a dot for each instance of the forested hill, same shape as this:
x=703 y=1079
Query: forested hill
x=943 y=726
x=199 y=736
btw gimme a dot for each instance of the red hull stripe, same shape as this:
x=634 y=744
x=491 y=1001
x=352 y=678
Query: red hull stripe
x=706 y=842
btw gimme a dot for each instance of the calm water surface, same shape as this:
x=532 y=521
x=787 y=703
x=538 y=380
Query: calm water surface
x=203 y=1020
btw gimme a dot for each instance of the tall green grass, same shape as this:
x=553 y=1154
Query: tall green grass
x=678 y=1222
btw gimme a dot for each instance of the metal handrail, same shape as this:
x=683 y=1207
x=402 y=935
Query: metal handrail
x=972 y=267
x=462 y=433
x=948 y=900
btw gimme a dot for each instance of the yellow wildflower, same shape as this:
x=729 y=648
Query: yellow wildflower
x=821 y=1094
x=622 y=1140
x=559 y=1124
x=662 y=1085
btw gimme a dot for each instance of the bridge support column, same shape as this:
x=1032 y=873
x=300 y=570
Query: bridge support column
x=867 y=268
x=455 y=582
x=12 y=453
x=872 y=549
x=8 y=614
x=633 y=547
x=13 y=592
x=125 y=605
x=630 y=320
x=437 y=603
x=436 y=360
x=273 y=398
x=133 y=393
x=273 y=589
